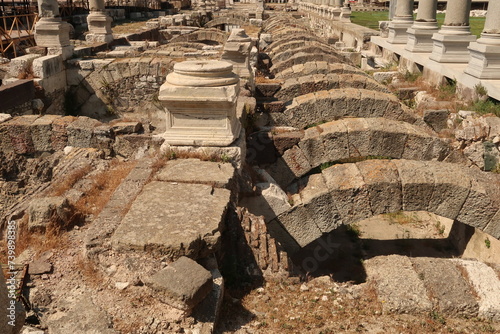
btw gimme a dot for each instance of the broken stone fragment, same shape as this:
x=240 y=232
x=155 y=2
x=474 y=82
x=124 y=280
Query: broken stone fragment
x=127 y=127
x=43 y=211
x=182 y=284
x=39 y=267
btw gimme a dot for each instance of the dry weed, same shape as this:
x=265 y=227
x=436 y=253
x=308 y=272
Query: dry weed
x=59 y=188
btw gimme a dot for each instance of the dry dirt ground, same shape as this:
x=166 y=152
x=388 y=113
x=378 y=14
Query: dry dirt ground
x=338 y=297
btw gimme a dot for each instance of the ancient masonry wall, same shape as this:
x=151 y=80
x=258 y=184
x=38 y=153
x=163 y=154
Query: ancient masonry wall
x=35 y=134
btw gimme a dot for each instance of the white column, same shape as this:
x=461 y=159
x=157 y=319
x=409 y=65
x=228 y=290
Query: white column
x=401 y=22
x=420 y=33
x=451 y=42
x=485 y=53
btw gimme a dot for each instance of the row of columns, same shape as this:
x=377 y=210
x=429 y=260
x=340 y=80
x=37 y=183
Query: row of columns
x=453 y=43
x=331 y=9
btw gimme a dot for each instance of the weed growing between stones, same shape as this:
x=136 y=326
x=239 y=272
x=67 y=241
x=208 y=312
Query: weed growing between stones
x=60 y=188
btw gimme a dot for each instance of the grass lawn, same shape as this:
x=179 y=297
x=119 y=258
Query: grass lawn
x=370 y=20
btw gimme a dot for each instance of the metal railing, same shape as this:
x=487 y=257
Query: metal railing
x=16 y=30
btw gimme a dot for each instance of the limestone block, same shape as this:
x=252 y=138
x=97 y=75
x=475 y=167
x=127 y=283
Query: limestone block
x=478 y=209
x=59 y=133
x=452 y=186
x=312 y=146
x=296 y=161
x=16 y=93
x=300 y=225
x=19 y=131
x=318 y=203
x=41 y=132
x=5 y=117
x=386 y=138
x=417 y=184
x=349 y=192
x=21 y=65
x=358 y=137
x=271 y=202
x=53 y=83
x=46 y=210
x=436 y=119
x=47 y=66
x=218 y=174
x=453 y=296
x=136 y=145
x=80 y=132
x=182 y=284
x=383 y=184
x=126 y=127
x=183 y=225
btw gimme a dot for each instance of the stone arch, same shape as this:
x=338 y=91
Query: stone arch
x=184 y=46
x=352 y=138
x=317 y=67
x=202 y=35
x=312 y=83
x=328 y=105
x=294 y=44
x=302 y=58
x=310 y=47
x=348 y=193
x=304 y=36
x=223 y=20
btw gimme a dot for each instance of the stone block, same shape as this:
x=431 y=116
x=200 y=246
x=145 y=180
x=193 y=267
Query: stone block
x=182 y=284
x=136 y=145
x=20 y=66
x=59 y=132
x=46 y=210
x=16 y=93
x=349 y=192
x=120 y=128
x=417 y=184
x=436 y=119
x=41 y=133
x=80 y=132
x=187 y=224
x=383 y=184
x=218 y=174
x=47 y=66
x=19 y=131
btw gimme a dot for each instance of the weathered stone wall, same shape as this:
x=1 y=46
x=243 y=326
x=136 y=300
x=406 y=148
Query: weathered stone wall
x=34 y=134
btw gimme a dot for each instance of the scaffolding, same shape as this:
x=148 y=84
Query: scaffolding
x=17 y=26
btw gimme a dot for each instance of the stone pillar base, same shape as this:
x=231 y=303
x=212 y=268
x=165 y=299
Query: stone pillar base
x=200 y=102
x=420 y=40
x=397 y=32
x=99 y=27
x=53 y=34
x=484 y=61
x=345 y=15
x=451 y=48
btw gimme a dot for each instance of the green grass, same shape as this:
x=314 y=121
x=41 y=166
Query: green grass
x=370 y=20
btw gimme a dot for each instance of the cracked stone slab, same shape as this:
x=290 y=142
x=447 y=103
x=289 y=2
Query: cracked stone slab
x=219 y=174
x=449 y=291
x=174 y=219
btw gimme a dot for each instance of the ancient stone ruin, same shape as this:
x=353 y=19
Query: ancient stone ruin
x=250 y=167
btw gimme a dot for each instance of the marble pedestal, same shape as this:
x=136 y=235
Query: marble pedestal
x=398 y=31
x=99 y=28
x=420 y=37
x=199 y=98
x=451 y=48
x=53 y=34
x=484 y=60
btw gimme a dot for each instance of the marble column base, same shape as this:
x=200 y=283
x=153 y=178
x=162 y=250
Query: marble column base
x=484 y=61
x=99 y=28
x=345 y=15
x=451 y=48
x=53 y=34
x=397 y=31
x=420 y=40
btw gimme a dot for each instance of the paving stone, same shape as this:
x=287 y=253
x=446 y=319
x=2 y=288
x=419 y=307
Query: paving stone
x=219 y=174
x=174 y=220
x=450 y=294
x=182 y=284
